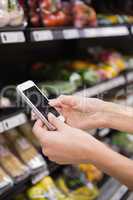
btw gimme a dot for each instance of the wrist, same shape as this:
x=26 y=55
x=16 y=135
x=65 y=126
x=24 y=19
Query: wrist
x=92 y=147
x=117 y=109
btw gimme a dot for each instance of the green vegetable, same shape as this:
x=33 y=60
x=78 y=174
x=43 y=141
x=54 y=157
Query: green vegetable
x=90 y=77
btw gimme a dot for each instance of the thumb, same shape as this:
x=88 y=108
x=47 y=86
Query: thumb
x=57 y=123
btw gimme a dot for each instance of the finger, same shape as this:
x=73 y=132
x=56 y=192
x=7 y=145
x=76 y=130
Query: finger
x=57 y=123
x=64 y=100
x=39 y=130
x=68 y=100
x=54 y=102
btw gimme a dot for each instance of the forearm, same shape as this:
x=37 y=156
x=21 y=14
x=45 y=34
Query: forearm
x=113 y=163
x=118 y=117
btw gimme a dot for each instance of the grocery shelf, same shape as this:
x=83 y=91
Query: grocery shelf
x=12 y=118
x=108 y=85
x=113 y=190
x=15 y=190
x=120 y=193
x=102 y=87
x=21 y=35
x=130 y=77
x=43 y=34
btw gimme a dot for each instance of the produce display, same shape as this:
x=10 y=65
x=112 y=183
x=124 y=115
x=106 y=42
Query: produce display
x=9 y=161
x=76 y=13
x=92 y=174
x=26 y=151
x=70 y=75
x=26 y=130
x=20 y=152
x=70 y=185
x=124 y=142
x=74 y=184
x=5 y=181
x=114 y=19
x=58 y=13
x=11 y=13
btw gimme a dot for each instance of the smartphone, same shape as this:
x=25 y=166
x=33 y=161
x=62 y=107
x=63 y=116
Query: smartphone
x=38 y=102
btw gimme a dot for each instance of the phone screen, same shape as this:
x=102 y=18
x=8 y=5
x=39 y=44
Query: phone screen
x=40 y=102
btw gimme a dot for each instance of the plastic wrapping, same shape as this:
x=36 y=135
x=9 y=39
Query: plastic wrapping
x=26 y=130
x=11 y=14
x=4 y=14
x=26 y=151
x=11 y=163
x=44 y=190
x=5 y=181
x=83 y=15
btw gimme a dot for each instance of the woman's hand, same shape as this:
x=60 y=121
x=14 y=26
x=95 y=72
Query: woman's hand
x=67 y=145
x=79 y=112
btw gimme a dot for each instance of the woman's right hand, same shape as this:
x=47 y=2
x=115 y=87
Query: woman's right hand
x=80 y=112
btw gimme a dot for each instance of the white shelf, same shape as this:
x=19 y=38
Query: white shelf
x=12 y=122
x=103 y=87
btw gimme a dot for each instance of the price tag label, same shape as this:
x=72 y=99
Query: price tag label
x=14 y=121
x=105 y=32
x=1 y=127
x=120 y=193
x=42 y=35
x=71 y=34
x=130 y=77
x=132 y=29
x=12 y=37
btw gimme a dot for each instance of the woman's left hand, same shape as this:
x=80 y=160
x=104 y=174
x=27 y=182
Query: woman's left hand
x=66 y=145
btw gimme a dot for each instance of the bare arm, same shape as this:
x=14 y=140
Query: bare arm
x=113 y=164
x=72 y=146
x=119 y=117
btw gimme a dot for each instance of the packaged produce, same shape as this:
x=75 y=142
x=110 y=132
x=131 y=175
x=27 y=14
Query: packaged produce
x=11 y=13
x=91 y=172
x=74 y=184
x=44 y=190
x=48 y=184
x=26 y=151
x=16 y=13
x=114 y=19
x=76 y=79
x=83 y=15
x=5 y=181
x=4 y=15
x=26 y=130
x=79 y=65
x=90 y=77
x=85 y=193
x=34 y=12
x=52 y=13
x=11 y=163
x=113 y=59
